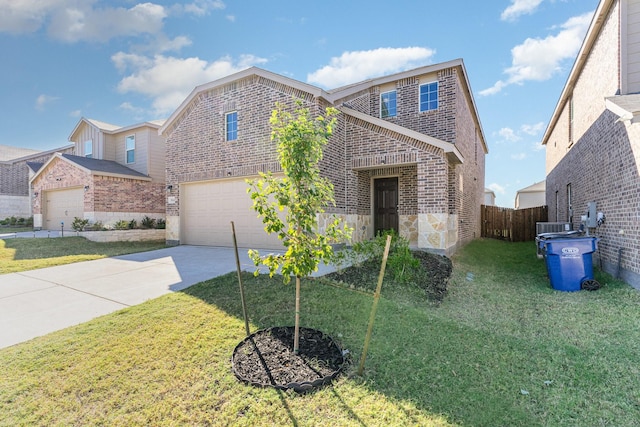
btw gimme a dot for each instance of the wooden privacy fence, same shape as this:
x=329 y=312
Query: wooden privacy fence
x=514 y=225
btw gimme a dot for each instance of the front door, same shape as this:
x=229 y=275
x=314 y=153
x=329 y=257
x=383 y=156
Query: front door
x=385 y=204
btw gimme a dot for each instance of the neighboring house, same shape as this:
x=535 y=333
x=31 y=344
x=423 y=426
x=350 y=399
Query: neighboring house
x=118 y=173
x=407 y=153
x=593 y=139
x=15 y=192
x=531 y=196
x=489 y=197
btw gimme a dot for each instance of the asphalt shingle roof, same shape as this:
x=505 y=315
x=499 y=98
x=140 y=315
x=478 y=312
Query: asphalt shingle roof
x=104 y=166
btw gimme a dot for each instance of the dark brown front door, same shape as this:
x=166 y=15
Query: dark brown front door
x=385 y=204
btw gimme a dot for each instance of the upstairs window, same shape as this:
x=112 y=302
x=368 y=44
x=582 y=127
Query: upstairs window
x=88 y=149
x=130 y=147
x=231 y=128
x=429 y=96
x=388 y=104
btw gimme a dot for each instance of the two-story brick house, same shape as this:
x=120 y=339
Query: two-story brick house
x=408 y=153
x=117 y=173
x=593 y=139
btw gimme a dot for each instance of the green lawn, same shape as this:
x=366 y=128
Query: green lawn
x=503 y=349
x=4 y=230
x=28 y=254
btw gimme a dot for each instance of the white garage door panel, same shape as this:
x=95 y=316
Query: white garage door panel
x=63 y=206
x=208 y=209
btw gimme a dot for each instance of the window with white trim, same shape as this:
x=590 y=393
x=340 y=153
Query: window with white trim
x=88 y=149
x=231 y=126
x=130 y=148
x=429 y=96
x=388 y=106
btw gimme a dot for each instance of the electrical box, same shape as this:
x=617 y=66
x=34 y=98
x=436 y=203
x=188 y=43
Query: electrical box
x=592 y=215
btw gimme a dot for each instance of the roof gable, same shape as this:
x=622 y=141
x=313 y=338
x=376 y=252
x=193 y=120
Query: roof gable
x=249 y=72
x=94 y=167
x=534 y=188
x=110 y=129
x=450 y=150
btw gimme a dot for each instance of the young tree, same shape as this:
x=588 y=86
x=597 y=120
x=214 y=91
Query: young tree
x=300 y=195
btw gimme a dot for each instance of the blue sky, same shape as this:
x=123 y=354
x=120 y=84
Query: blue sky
x=124 y=62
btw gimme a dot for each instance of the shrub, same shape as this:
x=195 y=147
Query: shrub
x=121 y=225
x=79 y=224
x=401 y=263
x=161 y=223
x=13 y=220
x=148 y=222
x=133 y=224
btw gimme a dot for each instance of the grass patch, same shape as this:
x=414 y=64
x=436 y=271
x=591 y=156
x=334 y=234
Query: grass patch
x=29 y=254
x=503 y=348
x=4 y=230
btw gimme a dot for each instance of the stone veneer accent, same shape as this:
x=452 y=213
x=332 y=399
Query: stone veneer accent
x=123 y=235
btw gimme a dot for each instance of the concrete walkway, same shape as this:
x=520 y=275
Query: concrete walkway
x=37 y=302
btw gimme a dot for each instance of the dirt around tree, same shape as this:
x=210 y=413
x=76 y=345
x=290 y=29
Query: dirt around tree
x=266 y=358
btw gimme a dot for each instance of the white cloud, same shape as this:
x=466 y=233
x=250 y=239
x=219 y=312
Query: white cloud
x=539 y=59
x=82 y=20
x=532 y=130
x=75 y=113
x=497 y=188
x=519 y=156
x=88 y=24
x=508 y=134
x=168 y=80
x=203 y=7
x=230 y=18
x=519 y=8
x=356 y=66
x=43 y=100
x=26 y=16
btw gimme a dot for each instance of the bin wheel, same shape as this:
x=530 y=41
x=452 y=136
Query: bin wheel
x=590 y=285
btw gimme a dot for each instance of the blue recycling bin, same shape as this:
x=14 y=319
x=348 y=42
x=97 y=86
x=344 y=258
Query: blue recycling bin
x=569 y=260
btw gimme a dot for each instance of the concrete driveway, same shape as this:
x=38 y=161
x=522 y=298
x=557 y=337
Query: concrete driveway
x=37 y=302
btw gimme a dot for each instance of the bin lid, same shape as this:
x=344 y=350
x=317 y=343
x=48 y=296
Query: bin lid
x=559 y=235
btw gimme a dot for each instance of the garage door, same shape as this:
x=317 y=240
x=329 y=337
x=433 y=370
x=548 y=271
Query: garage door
x=207 y=209
x=63 y=206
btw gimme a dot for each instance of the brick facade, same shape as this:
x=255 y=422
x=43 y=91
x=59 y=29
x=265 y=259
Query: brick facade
x=106 y=198
x=595 y=156
x=439 y=198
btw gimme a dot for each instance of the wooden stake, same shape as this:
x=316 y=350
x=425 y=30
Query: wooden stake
x=376 y=298
x=296 y=332
x=244 y=304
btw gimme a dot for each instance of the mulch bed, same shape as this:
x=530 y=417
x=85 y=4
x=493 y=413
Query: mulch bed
x=266 y=359
x=432 y=277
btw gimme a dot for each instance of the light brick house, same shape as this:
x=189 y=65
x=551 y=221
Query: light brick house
x=408 y=153
x=117 y=173
x=593 y=138
x=15 y=192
